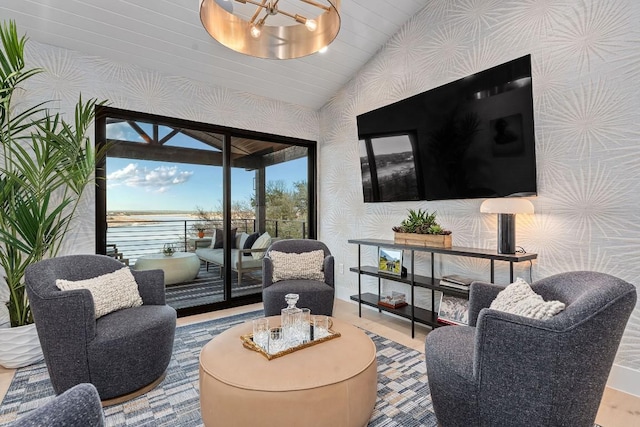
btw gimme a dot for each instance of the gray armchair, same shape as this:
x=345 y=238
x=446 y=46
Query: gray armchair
x=121 y=353
x=314 y=294
x=77 y=407
x=508 y=370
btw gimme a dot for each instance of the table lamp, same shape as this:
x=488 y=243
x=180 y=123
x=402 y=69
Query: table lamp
x=507 y=208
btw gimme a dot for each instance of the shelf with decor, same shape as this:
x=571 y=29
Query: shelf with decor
x=410 y=311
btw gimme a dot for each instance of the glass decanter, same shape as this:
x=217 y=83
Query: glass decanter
x=291 y=317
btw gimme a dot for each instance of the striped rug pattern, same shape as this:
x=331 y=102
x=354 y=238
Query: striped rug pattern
x=403 y=393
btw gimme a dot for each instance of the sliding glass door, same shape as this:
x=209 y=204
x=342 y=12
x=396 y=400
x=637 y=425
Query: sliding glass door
x=203 y=193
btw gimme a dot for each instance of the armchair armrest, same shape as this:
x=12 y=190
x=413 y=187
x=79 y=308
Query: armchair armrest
x=66 y=325
x=514 y=353
x=267 y=272
x=246 y=252
x=80 y=405
x=481 y=295
x=151 y=286
x=328 y=267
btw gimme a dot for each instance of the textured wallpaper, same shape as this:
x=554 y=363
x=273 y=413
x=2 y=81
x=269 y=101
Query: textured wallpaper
x=70 y=73
x=586 y=67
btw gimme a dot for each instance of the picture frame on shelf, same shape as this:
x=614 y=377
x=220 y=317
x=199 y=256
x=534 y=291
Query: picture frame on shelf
x=390 y=261
x=393 y=300
x=453 y=310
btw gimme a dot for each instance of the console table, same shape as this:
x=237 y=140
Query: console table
x=418 y=314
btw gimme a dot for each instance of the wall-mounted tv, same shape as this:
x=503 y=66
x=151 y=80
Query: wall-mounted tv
x=471 y=138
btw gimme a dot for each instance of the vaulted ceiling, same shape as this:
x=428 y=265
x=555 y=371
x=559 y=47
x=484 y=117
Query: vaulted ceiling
x=167 y=36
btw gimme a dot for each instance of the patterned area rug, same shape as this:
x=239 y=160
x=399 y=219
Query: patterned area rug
x=403 y=393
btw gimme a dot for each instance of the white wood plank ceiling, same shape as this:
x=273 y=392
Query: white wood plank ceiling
x=167 y=36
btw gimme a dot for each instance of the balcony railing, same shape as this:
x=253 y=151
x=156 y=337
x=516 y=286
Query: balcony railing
x=136 y=237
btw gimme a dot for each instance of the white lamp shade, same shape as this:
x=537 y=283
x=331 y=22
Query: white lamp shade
x=507 y=206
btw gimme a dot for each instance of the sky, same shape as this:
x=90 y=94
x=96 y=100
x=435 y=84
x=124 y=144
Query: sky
x=140 y=185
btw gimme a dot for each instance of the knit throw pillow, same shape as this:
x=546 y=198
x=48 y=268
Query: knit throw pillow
x=518 y=298
x=110 y=292
x=289 y=266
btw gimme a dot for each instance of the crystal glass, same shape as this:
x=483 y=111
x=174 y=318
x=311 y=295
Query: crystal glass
x=305 y=324
x=261 y=332
x=320 y=326
x=277 y=342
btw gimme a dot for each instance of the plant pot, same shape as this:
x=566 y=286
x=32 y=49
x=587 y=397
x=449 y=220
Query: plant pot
x=200 y=234
x=19 y=346
x=415 y=239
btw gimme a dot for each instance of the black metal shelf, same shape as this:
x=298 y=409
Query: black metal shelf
x=418 y=314
x=418 y=280
x=454 y=250
x=421 y=315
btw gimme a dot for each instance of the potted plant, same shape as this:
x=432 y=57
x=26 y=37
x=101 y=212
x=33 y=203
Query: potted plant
x=420 y=228
x=201 y=229
x=46 y=165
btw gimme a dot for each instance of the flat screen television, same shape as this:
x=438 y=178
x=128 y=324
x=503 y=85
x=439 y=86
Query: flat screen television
x=471 y=138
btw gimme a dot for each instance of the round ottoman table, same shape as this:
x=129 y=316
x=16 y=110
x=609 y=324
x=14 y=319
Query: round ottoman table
x=178 y=268
x=333 y=383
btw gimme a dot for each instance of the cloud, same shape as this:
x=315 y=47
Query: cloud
x=122 y=131
x=159 y=180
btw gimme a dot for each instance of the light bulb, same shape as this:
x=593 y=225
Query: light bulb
x=323 y=49
x=255 y=31
x=311 y=24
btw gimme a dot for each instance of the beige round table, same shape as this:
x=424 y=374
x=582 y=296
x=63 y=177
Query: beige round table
x=178 y=268
x=333 y=383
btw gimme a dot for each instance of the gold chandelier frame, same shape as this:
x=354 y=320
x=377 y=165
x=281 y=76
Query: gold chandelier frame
x=255 y=37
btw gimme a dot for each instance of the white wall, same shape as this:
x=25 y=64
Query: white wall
x=586 y=65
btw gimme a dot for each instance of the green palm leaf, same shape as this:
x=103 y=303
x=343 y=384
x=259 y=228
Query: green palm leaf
x=47 y=164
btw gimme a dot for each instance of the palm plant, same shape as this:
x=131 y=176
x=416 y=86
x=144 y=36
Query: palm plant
x=46 y=164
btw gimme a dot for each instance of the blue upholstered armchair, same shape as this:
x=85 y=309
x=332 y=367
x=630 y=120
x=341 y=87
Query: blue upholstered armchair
x=316 y=295
x=508 y=370
x=120 y=353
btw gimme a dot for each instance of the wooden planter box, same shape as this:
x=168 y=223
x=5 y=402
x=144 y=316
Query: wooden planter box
x=438 y=240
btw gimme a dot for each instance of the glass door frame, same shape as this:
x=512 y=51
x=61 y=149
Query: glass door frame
x=104 y=112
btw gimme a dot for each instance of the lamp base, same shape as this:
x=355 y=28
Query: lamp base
x=506 y=233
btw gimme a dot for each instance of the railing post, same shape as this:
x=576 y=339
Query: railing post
x=276 y=228
x=303 y=229
x=185 y=236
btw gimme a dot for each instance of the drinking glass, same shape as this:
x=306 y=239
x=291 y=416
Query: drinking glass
x=277 y=342
x=305 y=325
x=261 y=332
x=320 y=326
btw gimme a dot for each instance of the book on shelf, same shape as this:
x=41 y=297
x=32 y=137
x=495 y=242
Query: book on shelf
x=453 y=285
x=458 y=279
x=453 y=310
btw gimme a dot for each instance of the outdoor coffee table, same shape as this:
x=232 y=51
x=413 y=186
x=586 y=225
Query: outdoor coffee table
x=333 y=383
x=178 y=268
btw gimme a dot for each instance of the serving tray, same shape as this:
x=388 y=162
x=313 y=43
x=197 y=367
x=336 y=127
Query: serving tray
x=247 y=342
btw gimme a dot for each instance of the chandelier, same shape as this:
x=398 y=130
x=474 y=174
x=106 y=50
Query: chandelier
x=263 y=28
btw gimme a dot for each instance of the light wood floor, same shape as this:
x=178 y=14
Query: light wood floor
x=617 y=409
